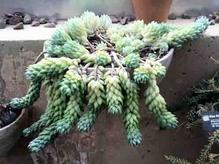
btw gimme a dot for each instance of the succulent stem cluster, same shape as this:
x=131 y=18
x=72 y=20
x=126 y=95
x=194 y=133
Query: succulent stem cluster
x=91 y=64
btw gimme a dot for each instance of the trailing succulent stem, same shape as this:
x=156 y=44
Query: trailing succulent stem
x=131 y=114
x=71 y=114
x=96 y=98
x=157 y=105
x=32 y=95
x=91 y=62
x=114 y=97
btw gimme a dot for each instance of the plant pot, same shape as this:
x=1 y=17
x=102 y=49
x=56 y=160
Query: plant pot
x=215 y=107
x=151 y=10
x=10 y=134
x=166 y=60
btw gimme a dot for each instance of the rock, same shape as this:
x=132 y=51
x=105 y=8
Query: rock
x=8 y=15
x=43 y=20
x=131 y=18
x=18 y=13
x=184 y=16
x=114 y=19
x=19 y=26
x=27 y=19
x=212 y=22
x=52 y=20
x=35 y=23
x=172 y=16
x=2 y=23
x=50 y=25
x=217 y=19
x=211 y=16
x=14 y=20
x=124 y=20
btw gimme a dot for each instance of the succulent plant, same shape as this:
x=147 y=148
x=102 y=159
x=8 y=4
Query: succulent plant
x=92 y=63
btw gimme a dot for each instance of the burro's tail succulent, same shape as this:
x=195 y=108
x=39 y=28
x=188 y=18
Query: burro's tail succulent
x=157 y=105
x=96 y=98
x=114 y=96
x=32 y=95
x=91 y=64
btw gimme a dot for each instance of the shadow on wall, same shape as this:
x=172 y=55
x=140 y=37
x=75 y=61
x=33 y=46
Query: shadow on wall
x=66 y=8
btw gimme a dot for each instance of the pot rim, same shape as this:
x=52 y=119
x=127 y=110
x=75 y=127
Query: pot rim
x=12 y=123
x=169 y=53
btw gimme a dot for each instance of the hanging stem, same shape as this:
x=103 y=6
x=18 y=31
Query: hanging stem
x=104 y=40
x=91 y=47
x=116 y=59
x=39 y=56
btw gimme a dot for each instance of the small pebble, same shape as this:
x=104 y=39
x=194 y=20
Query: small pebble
x=50 y=25
x=212 y=22
x=19 y=26
x=131 y=18
x=184 y=16
x=217 y=19
x=18 y=13
x=172 y=16
x=114 y=19
x=43 y=20
x=35 y=23
x=27 y=19
x=211 y=16
x=2 y=23
x=124 y=20
x=8 y=15
x=52 y=20
x=14 y=20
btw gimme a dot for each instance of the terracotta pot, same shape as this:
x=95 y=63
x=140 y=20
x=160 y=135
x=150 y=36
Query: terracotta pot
x=152 y=10
x=10 y=134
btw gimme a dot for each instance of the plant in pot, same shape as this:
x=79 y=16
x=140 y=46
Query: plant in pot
x=90 y=63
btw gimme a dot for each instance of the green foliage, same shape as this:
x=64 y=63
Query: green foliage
x=76 y=28
x=102 y=58
x=157 y=105
x=74 y=50
x=32 y=95
x=175 y=160
x=43 y=139
x=179 y=36
x=114 y=97
x=71 y=83
x=131 y=114
x=92 y=61
x=60 y=37
x=96 y=98
x=71 y=114
x=132 y=60
x=48 y=68
x=205 y=156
